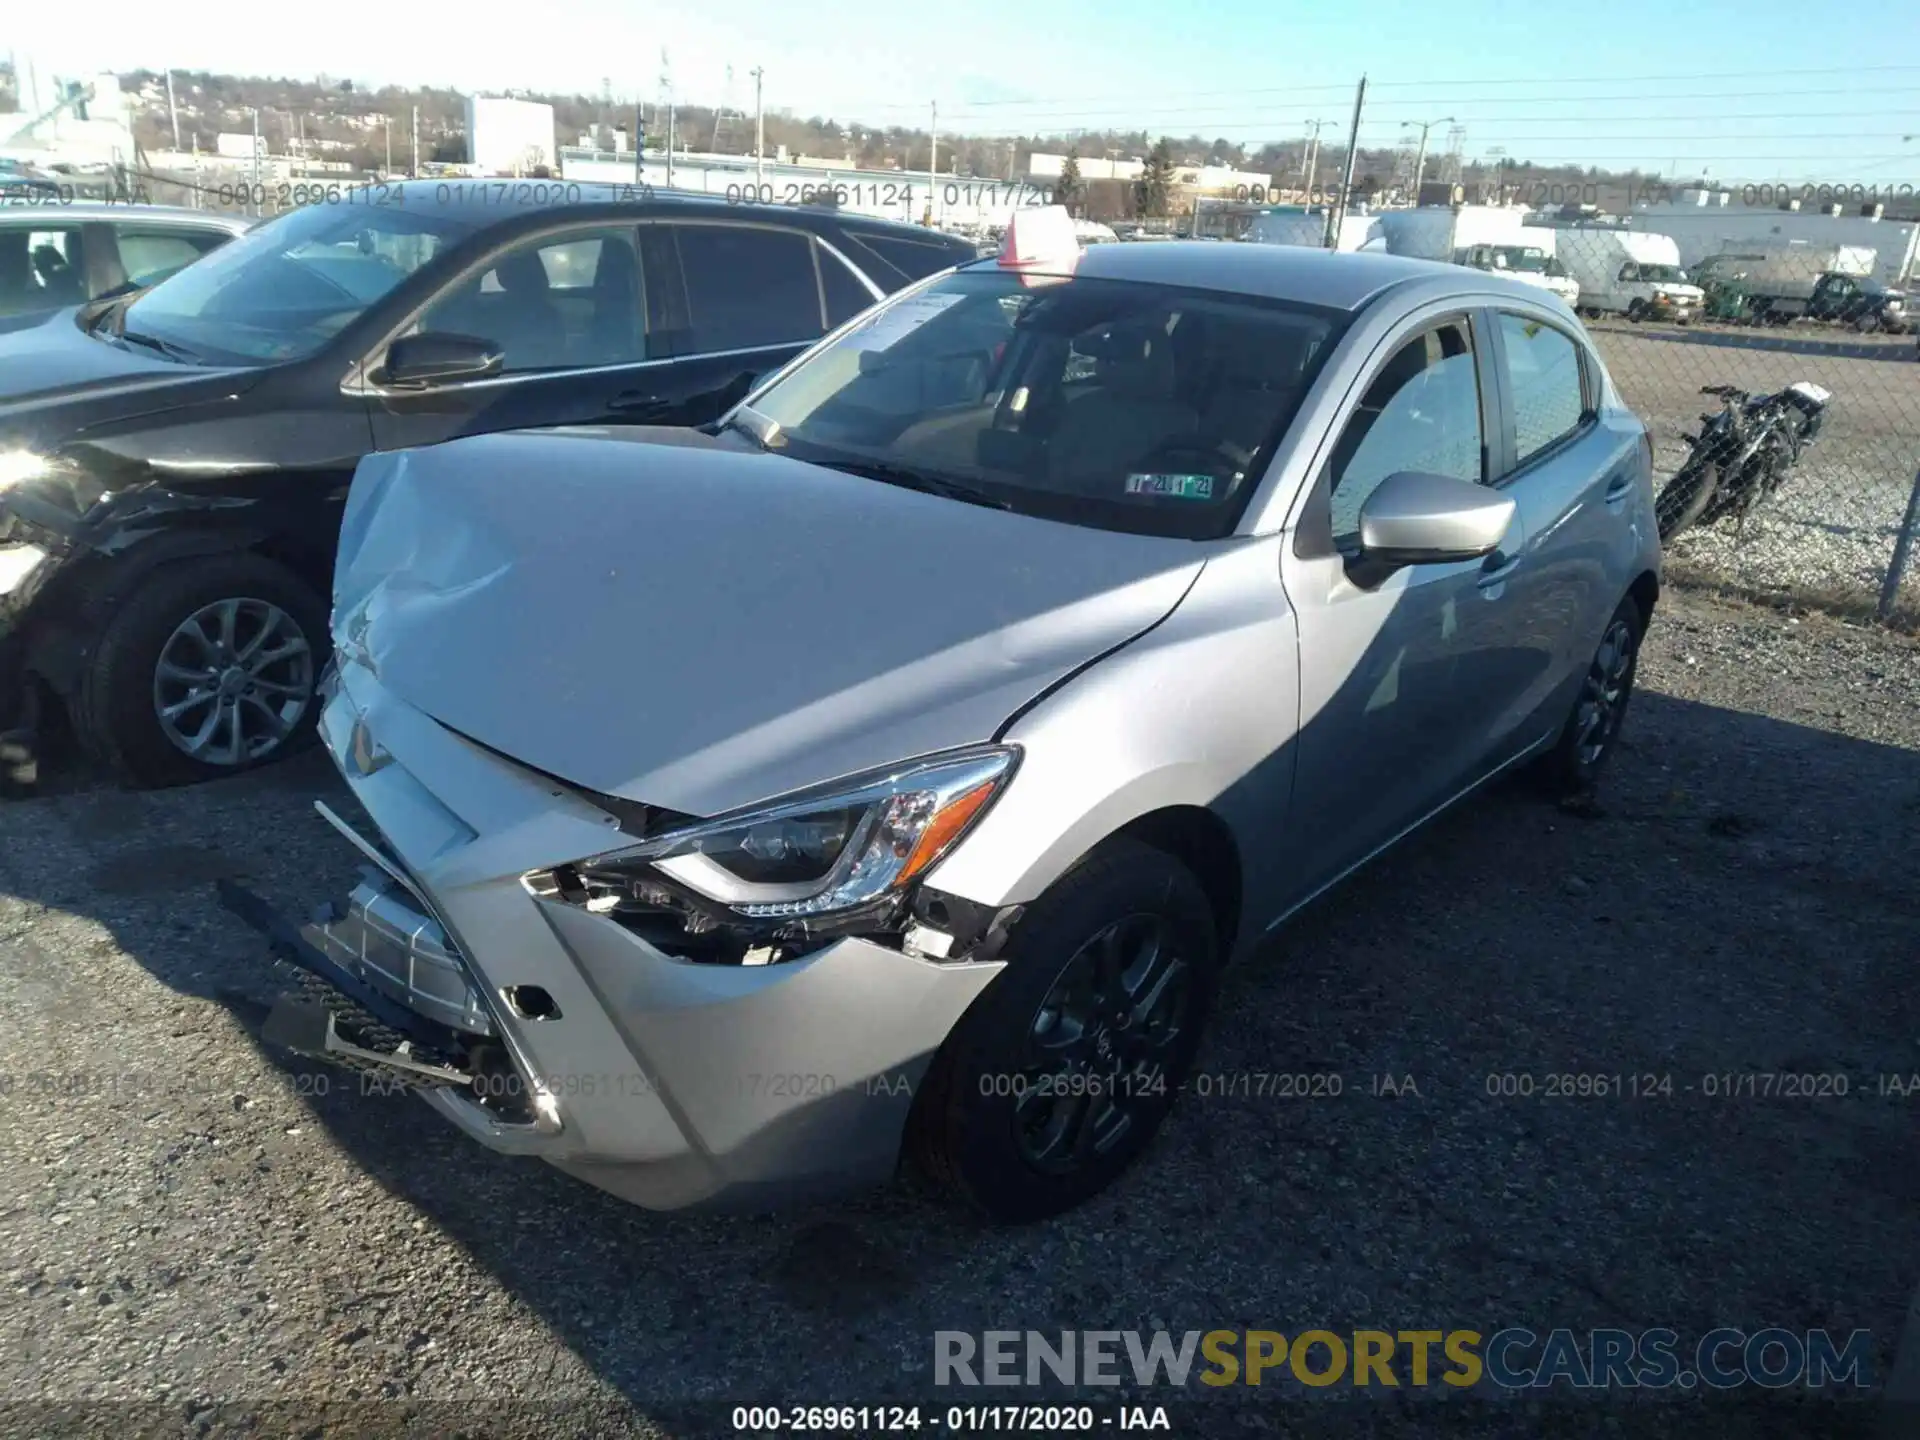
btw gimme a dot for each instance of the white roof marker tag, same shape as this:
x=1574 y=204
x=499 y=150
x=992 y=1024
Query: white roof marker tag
x=1041 y=245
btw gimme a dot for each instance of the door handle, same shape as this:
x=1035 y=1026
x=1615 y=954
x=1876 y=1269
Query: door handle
x=1493 y=574
x=1618 y=488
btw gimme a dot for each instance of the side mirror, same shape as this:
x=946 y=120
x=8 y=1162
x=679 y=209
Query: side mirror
x=435 y=359
x=1415 y=518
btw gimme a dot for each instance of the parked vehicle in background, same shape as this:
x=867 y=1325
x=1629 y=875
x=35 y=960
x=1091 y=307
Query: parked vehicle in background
x=1780 y=283
x=1859 y=301
x=1003 y=668
x=1634 y=273
x=1742 y=455
x=59 y=254
x=1529 y=264
x=173 y=463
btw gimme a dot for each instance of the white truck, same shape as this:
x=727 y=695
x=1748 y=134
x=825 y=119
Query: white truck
x=1629 y=272
x=1785 y=270
x=1482 y=237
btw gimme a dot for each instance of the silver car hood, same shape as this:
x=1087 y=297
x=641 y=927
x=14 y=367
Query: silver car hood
x=668 y=618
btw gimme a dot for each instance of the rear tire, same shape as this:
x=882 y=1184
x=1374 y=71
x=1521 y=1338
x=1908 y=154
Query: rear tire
x=1588 y=739
x=123 y=692
x=1044 y=1093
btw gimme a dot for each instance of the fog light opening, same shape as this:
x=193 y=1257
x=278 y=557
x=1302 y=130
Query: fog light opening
x=531 y=1002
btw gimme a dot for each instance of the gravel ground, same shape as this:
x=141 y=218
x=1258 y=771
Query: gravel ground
x=1830 y=530
x=200 y=1222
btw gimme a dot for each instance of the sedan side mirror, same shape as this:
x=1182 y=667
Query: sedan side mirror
x=1416 y=518
x=437 y=358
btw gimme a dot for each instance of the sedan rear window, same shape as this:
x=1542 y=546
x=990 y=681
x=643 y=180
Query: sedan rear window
x=1108 y=403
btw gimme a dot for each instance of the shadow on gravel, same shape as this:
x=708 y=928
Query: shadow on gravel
x=1740 y=903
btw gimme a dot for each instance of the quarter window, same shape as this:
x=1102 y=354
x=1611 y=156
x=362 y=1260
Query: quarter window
x=1421 y=412
x=846 y=296
x=1543 y=376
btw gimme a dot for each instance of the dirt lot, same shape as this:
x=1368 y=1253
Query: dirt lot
x=1831 y=529
x=198 y=1222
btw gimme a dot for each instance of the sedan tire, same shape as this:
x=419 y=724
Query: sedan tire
x=1060 y=1073
x=1592 y=731
x=207 y=668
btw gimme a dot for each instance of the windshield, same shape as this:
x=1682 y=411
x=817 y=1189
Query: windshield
x=1671 y=274
x=282 y=290
x=1528 y=259
x=1106 y=403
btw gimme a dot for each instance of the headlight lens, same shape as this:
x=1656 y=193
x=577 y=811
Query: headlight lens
x=831 y=849
x=19 y=466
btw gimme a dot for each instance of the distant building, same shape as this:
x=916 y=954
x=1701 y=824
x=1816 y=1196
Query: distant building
x=510 y=137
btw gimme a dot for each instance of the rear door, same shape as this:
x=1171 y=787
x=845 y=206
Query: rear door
x=1573 y=479
x=743 y=299
x=568 y=310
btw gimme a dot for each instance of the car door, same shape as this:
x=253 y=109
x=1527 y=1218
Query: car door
x=1395 y=705
x=567 y=309
x=1573 y=480
x=746 y=297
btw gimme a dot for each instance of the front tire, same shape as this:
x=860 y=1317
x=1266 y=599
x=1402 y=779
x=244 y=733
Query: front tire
x=1061 y=1072
x=1589 y=737
x=206 y=669
x=1637 y=311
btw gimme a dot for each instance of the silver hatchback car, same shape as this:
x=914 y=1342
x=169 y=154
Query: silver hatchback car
x=895 y=768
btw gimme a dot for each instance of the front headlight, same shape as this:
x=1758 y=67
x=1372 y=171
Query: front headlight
x=19 y=466
x=828 y=850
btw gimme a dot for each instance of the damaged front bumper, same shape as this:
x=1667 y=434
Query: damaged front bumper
x=539 y=1027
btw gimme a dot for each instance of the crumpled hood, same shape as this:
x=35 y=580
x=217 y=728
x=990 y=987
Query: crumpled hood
x=668 y=618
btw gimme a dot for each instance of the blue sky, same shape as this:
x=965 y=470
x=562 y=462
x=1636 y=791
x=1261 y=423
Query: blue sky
x=1708 y=87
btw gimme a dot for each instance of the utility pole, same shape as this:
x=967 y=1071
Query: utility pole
x=387 y=125
x=1420 y=160
x=1337 y=217
x=173 y=113
x=759 y=134
x=300 y=129
x=1310 y=161
x=414 y=174
x=255 y=197
x=639 y=142
x=933 y=166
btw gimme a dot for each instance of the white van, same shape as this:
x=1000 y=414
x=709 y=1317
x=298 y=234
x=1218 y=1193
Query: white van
x=1629 y=272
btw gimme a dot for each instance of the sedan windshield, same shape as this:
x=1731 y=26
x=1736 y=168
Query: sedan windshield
x=281 y=291
x=1107 y=403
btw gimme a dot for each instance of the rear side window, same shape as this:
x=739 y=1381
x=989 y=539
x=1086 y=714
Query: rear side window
x=1543 y=376
x=903 y=259
x=748 y=287
x=40 y=269
x=148 y=254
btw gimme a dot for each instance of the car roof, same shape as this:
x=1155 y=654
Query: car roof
x=1343 y=280
x=14 y=214
x=489 y=198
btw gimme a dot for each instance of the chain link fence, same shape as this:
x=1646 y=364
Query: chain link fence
x=1781 y=384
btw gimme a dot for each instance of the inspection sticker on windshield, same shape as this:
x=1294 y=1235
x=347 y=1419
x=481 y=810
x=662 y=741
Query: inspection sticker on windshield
x=900 y=320
x=1177 y=487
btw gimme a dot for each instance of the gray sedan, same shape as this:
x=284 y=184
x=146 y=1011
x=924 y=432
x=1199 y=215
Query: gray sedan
x=894 y=769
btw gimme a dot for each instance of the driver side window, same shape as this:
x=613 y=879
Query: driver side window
x=560 y=302
x=1420 y=412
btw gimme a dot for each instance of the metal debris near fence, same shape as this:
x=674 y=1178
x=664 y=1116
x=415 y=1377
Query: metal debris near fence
x=1781 y=384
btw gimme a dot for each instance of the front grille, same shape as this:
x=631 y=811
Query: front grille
x=382 y=938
